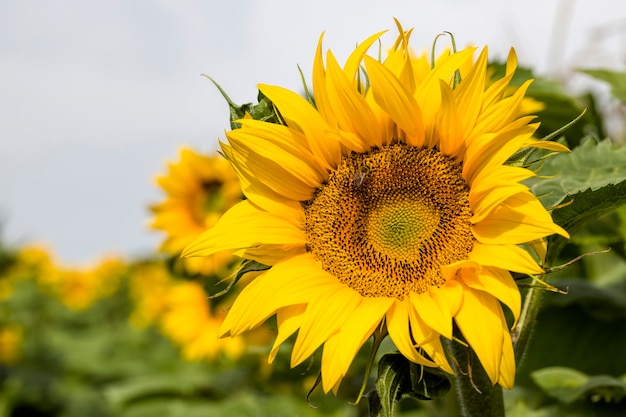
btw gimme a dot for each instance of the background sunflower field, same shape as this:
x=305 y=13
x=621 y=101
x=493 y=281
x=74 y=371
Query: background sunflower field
x=135 y=335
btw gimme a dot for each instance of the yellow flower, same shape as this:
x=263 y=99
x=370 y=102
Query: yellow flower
x=79 y=288
x=32 y=261
x=188 y=322
x=385 y=205
x=149 y=289
x=199 y=190
x=10 y=343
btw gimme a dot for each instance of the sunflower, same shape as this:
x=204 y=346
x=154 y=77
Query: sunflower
x=187 y=320
x=199 y=189
x=149 y=287
x=11 y=339
x=386 y=204
x=79 y=288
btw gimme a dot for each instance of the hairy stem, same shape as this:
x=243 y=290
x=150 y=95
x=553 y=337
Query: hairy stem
x=477 y=396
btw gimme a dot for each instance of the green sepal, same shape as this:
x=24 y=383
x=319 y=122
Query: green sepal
x=246 y=266
x=398 y=378
x=264 y=110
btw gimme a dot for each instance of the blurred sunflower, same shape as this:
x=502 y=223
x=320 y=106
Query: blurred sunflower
x=10 y=344
x=79 y=288
x=32 y=261
x=187 y=320
x=149 y=288
x=386 y=205
x=199 y=189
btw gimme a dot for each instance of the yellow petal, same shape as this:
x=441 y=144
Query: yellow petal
x=420 y=331
x=470 y=91
x=428 y=92
x=295 y=280
x=268 y=158
x=519 y=219
x=434 y=311
x=394 y=99
x=298 y=113
x=480 y=320
x=264 y=197
x=496 y=91
x=482 y=203
x=500 y=114
x=244 y=226
x=509 y=257
x=288 y=320
x=342 y=347
x=498 y=283
x=507 y=365
x=546 y=144
x=540 y=247
x=398 y=327
x=493 y=149
x=322 y=101
x=496 y=175
x=435 y=350
x=354 y=60
x=269 y=173
x=452 y=292
x=451 y=137
x=326 y=313
x=352 y=112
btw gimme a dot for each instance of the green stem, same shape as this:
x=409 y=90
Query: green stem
x=523 y=331
x=477 y=396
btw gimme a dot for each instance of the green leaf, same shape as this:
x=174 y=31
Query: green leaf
x=428 y=383
x=567 y=335
x=398 y=378
x=617 y=80
x=606 y=232
x=589 y=182
x=586 y=206
x=589 y=166
x=393 y=380
x=569 y=385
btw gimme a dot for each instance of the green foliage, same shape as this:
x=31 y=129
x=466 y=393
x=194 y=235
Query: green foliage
x=398 y=379
x=585 y=184
x=94 y=362
x=580 y=372
x=568 y=385
x=617 y=81
x=593 y=165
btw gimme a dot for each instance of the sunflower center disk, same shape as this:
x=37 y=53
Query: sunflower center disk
x=387 y=220
x=399 y=227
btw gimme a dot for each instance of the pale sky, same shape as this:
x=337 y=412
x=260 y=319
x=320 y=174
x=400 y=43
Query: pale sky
x=96 y=96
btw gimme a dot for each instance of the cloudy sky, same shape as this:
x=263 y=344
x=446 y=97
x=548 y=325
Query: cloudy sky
x=96 y=96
